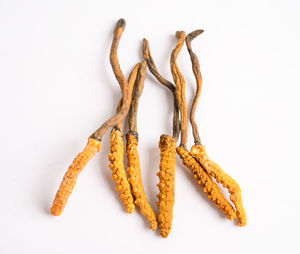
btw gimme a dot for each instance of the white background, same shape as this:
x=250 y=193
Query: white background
x=57 y=86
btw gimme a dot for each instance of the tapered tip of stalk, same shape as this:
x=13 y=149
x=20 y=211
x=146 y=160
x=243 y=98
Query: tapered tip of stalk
x=193 y=34
x=145 y=42
x=145 y=48
x=180 y=34
x=121 y=24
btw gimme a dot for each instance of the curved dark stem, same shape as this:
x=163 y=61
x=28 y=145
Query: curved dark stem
x=126 y=93
x=131 y=81
x=198 y=77
x=138 y=89
x=180 y=87
x=152 y=67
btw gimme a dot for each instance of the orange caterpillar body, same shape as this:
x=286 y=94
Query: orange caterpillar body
x=215 y=171
x=209 y=187
x=117 y=168
x=166 y=184
x=67 y=185
x=135 y=181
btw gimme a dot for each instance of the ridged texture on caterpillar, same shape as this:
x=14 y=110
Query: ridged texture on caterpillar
x=117 y=168
x=135 y=181
x=209 y=187
x=214 y=170
x=70 y=177
x=166 y=184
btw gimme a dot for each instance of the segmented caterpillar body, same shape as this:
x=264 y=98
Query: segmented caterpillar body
x=166 y=184
x=209 y=187
x=117 y=168
x=215 y=171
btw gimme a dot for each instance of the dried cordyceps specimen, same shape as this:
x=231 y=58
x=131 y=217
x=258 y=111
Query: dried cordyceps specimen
x=116 y=154
x=134 y=171
x=136 y=181
x=70 y=177
x=198 y=150
x=167 y=147
x=117 y=168
x=166 y=184
x=94 y=141
x=216 y=172
x=209 y=187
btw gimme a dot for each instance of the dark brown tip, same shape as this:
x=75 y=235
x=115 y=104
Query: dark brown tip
x=164 y=137
x=93 y=136
x=180 y=34
x=191 y=36
x=198 y=143
x=145 y=48
x=115 y=128
x=121 y=24
x=165 y=141
x=182 y=146
x=134 y=134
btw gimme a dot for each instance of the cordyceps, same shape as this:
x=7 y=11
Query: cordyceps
x=116 y=155
x=167 y=146
x=134 y=171
x=94 y=141
x=166 y=185
x=198 y=150
x=209 y=187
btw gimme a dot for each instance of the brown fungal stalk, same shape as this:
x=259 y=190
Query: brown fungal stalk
x=179 y=87
x=134 y=170
x=167 y=146
x=152 y=68
x=198 y=151
x=116 y=155
x=94 y=142
x=125 y=88
x=198 y=77
x=209 y=187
